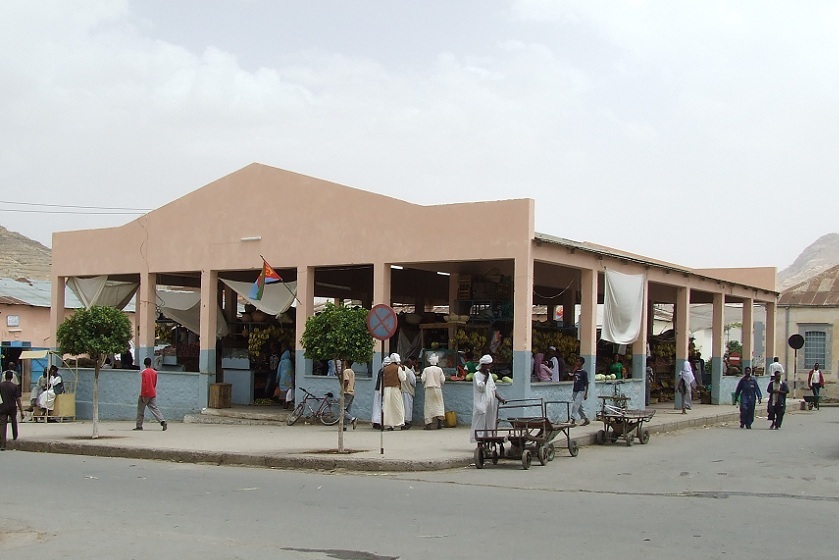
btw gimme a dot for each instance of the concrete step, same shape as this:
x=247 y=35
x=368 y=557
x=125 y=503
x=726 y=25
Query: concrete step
x=240 y=415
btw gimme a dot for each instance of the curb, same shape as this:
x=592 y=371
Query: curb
x=303 y=461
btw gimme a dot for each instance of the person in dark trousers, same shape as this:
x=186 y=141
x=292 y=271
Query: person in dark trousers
x=777 y=394
x=10 y=397
x=815 y=380
x=148 y=396
x=579 y=392
x=747 y=391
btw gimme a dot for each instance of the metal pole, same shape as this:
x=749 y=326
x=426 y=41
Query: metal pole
x=794 y=377
x=382 y=406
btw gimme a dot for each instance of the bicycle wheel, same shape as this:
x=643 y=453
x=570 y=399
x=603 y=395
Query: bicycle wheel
x=295 y=415
x=330 y=413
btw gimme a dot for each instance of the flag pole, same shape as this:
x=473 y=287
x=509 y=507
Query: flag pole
x=293 y=295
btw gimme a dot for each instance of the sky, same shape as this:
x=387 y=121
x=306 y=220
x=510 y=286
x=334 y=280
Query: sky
x=703 y=133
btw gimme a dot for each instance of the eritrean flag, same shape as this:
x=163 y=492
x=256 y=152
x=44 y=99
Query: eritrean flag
x=267 y=276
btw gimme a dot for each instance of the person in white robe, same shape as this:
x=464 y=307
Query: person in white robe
x=408 y=388
x=433 y=379
x=485 y=399
x=376 y=415
x=393 y=409
x=686 y=384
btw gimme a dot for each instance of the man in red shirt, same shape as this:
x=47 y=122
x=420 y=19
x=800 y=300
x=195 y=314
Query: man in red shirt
x=148 y=396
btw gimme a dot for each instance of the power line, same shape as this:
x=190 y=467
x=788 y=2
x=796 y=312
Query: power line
x=74 y=206
x=137 y=213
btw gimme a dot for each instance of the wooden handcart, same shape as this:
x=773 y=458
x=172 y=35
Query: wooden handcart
x=526 y=428
x=621 y=422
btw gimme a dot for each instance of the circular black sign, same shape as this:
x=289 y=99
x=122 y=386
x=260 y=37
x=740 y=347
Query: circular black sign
x=796 y=341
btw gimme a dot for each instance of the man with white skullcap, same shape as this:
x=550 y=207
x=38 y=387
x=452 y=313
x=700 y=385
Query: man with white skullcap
x=485 y=399
x=433 y=379
x=393 y=409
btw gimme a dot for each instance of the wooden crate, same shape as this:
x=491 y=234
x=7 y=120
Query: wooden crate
x=220 y=395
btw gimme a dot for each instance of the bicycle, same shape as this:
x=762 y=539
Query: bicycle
x=327 y=411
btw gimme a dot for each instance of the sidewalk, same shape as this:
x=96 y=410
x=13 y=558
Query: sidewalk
x=309 y=446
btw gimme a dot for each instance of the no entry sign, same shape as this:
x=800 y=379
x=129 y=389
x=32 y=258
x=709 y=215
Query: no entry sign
x=381 y=321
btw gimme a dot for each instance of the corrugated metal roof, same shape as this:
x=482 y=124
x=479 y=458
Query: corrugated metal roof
x=821 y=290
x=37 y=293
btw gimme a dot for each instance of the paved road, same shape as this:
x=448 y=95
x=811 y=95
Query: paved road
x=699 y=494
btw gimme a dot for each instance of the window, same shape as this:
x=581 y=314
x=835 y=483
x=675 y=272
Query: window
x=815 y=349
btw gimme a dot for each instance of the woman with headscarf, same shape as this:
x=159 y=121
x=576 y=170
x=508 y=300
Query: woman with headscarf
x=376 y=416
x=408 y=389
x=542 y=369
x=285 y=376
x=777 y=394
x=747 y=391
x=686 y=384
x=393 y=408
x=485 y=399
x=433 y=379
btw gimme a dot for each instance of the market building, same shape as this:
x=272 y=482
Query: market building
x=482 y=260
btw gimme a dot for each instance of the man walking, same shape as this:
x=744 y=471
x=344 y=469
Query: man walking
x=580 y=392
x=775 y=367
x=148 y=396
x=348 y=387
x=9 y=400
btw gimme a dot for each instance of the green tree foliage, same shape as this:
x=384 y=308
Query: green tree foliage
x=338 y=332
x=98 y=332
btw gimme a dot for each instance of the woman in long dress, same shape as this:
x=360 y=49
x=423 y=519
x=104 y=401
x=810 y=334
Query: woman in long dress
x=285 y=375
x=485 y=399
x=686 y=384
x=433 y=379
x=747 y=391
x=408 y=389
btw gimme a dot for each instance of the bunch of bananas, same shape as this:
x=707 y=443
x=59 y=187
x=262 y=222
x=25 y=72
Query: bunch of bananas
x=258 y=337
x=471 y=339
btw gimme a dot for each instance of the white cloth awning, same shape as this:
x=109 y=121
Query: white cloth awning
x=623 y=307
x=98 y=290
x=185 y=308
x=276 y=298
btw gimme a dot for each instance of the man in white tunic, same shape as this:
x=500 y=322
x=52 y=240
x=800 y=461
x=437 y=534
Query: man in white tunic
x=432 y=379
x=485 y=399
x=408 y=388
x=393 y=409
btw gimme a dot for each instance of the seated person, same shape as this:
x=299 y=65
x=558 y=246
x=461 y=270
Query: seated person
x=617 y=368
x=543 y=370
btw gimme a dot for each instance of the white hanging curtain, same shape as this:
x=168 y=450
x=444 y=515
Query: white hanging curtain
x=276 y=298
x=623 y=307
x=98 y=290
x=185 y=308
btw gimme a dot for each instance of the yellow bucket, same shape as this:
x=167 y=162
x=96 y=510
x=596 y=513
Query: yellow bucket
x=451 y=419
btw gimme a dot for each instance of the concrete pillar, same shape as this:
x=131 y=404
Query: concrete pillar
x=208 y=323
x=381 y=294
x=588 y=333
x=145 y=318
x=231 y=304
x=682 y=325
x=717 y=348
x=58 y=299
x=639 y=350
x=305 y=309
x=522 y=325
x=747 y=332
x=769 y=336
x=569 y=307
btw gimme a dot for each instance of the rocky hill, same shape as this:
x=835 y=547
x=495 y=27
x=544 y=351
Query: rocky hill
x=21 y=257
x=815 y=259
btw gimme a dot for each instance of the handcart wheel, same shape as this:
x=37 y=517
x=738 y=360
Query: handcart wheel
x=629 y=437
x=525 y=459
x=613 y=437
x=479 y=458
x=600 y=437
x=542 y=455
x=501 y=450
x=573 y=448
x=645 y=436
x=495 y=456
x=551 y=452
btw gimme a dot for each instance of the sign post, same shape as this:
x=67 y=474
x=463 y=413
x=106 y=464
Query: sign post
x=382 y=323
x=795 y=342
